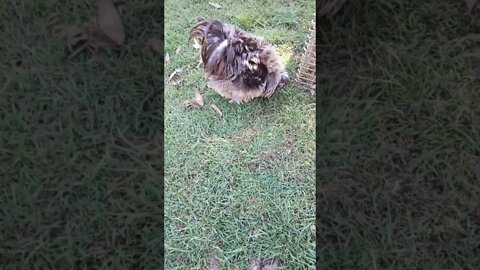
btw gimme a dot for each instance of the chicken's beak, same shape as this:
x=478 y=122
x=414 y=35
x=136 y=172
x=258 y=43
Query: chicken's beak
x=284 y=80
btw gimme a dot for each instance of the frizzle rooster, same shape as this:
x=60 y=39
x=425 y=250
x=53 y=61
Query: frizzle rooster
x=239 y=65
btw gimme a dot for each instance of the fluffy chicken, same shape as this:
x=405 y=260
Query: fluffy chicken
x=239 y=65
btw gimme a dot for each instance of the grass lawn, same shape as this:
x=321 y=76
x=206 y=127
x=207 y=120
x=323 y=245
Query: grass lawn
x=80 y=173
x=242 y=185
x=398 y=139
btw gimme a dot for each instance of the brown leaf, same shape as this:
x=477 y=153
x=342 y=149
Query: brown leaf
x=213 y=263
x=215 y=108
x=197 y=102
x=167 y=57
x=109 y=21
x=155 y=44
x=215 y=5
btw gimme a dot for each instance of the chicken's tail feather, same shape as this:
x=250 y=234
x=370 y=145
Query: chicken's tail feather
x=217 y=51
x=198 y=30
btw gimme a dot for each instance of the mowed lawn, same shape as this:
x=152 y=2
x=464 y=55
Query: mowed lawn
x=80 y=141
x=242 y=185
x=399 y=136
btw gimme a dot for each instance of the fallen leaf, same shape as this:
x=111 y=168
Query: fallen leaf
x=155 y=44
x=312 y=229
x=215 y=108
x=178 y=50
x=109 y=21
x=213 y=263
x=175 y=72
x=197 y=102
x=167 y=57
x=215 y=5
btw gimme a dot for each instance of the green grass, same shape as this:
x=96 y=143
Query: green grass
x=399 y=137
x=242 y=185
x=80 y=173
